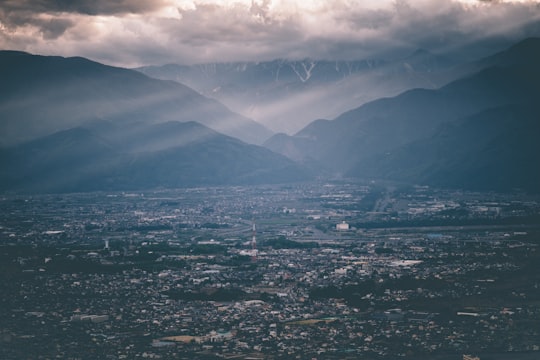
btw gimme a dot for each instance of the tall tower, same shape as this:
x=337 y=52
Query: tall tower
x=254 y=243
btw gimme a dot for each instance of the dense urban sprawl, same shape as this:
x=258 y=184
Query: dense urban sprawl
x=310 y=271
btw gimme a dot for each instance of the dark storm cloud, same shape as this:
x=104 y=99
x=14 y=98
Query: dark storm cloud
x=344 y=29
x=25 y=8
x=53 y=28
x=44 y=14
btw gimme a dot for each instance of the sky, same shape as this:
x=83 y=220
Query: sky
x=132 y=33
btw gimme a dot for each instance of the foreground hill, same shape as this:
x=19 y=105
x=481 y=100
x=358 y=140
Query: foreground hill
x=40 y=95
x=174 y=154
x=355 y=142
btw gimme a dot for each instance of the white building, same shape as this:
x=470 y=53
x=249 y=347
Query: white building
x=342 y=227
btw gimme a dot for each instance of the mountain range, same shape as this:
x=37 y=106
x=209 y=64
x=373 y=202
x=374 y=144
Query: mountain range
x=382 y=139
x=102 y=156
x=40 y=95
x=495 y=149
x=286 y=95
x=70 y=124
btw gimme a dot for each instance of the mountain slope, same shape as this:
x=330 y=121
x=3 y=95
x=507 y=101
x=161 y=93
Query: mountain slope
x=386 y=124
x=68 y=161
x=496 y=149
x=40 y=95
x=285 y=94
x=93 y=158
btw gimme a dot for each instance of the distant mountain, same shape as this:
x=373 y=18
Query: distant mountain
x=286 y=95
x=524 y=53
x=359 y=139
x=496 y=149
x=167 y=155
x=40 y=95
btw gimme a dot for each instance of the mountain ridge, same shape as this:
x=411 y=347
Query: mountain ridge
x=478 y=131
x=90 y=158
x=272 y=91
x=385 y=125
x=45 y=94
x=495 y=149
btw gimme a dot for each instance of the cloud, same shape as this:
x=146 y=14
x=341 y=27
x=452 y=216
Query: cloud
x=27 y=8
x=137 y=32
x=53 y=28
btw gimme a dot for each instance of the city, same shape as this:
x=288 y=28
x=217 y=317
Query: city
x=319 y=270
